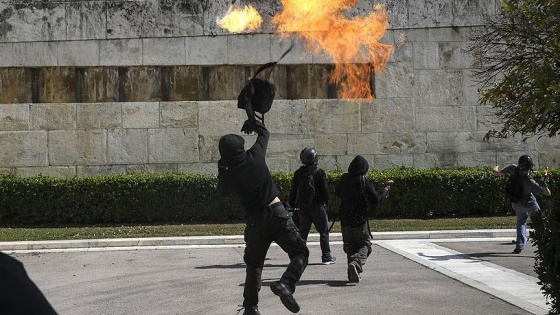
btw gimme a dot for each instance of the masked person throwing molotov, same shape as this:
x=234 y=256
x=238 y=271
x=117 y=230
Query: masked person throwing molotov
x=521 y=189
x=246 y=175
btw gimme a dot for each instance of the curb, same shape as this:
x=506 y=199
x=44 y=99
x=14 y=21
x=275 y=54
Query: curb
x=238 y=239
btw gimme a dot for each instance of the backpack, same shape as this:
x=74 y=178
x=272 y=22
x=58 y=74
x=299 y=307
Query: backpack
x=514 y=187
x=306 y=190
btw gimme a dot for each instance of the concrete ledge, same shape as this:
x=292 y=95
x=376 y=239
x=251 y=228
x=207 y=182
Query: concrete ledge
x=238 y=239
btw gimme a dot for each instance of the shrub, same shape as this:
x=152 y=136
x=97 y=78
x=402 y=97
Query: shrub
x=148 y=198
x=114 y=198
x=546 y=238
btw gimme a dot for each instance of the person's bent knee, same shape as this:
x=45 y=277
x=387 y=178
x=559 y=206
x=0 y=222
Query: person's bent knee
x=252 y=263
x=303 y=258
x=302 y=253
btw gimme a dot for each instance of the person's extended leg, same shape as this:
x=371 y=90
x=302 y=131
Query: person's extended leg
x=347 y=243
x=364 y=239
x=321 y=222
x=357 y=246
x=521 y=229
x=286 y=235
x=289 y=240
x=256 y=247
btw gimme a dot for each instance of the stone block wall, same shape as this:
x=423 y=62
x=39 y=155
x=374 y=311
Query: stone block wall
x=99 y=87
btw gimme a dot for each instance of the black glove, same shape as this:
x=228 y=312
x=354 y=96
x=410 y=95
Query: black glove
x=258 y=125
x=247 y=127
x=252 y=126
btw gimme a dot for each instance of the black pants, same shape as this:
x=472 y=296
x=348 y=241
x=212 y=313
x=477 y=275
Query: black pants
x=274 y=224
x=316 y=214
x=357 y=244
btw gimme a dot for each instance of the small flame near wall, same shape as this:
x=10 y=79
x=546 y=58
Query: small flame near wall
x=238 y=19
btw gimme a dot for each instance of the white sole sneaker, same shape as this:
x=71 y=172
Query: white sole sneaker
x=329 y=262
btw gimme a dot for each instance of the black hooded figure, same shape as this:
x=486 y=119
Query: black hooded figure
x=18 y=293
x=246 y=175
x=356 y=194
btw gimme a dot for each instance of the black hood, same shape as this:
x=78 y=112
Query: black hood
x=358 y=166
x=232 y=150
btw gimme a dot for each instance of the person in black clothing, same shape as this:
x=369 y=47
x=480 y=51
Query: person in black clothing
x=246 y=175
x=356 y=194
x=316 y=211
x=18 y=293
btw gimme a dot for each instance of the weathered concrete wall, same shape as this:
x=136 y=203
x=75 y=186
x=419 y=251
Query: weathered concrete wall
x=425 y=114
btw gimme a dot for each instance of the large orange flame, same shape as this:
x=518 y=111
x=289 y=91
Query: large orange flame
x=352 y=44
x=239 y=20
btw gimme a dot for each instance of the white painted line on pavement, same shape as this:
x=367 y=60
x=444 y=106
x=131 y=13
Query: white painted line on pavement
x=509 y=285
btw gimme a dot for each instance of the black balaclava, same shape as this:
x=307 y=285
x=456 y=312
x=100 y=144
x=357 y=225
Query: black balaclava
x=232 y=149
x=358 y=166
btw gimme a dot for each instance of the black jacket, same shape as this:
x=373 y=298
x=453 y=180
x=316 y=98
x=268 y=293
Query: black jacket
x=320 y=180
x=245 y=173
x=356 y=194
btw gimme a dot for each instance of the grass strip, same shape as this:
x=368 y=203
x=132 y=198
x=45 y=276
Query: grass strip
x=171 y=230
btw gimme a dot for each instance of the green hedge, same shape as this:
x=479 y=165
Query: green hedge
x=546 y=238
x=192 y=198
x=112 y=199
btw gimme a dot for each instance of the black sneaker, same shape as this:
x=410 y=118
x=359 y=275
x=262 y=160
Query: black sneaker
x=516 y=251
x=353 y=274
x=285 y=295
x=252 y=310
x=329 y=260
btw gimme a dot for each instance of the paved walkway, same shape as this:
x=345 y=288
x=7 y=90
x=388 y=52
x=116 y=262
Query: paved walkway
x=482 y=261
x=509 y=285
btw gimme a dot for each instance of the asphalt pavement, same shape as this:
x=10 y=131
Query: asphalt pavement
x=440 y=272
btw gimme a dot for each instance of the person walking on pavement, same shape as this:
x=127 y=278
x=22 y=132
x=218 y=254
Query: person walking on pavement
x=356 y=194
x=523 y=201
x=309 y=191
x=246 y=175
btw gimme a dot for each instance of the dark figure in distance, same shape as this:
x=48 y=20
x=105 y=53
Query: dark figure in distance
x=527 y=204
x=313 y=203
x=356 y=194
